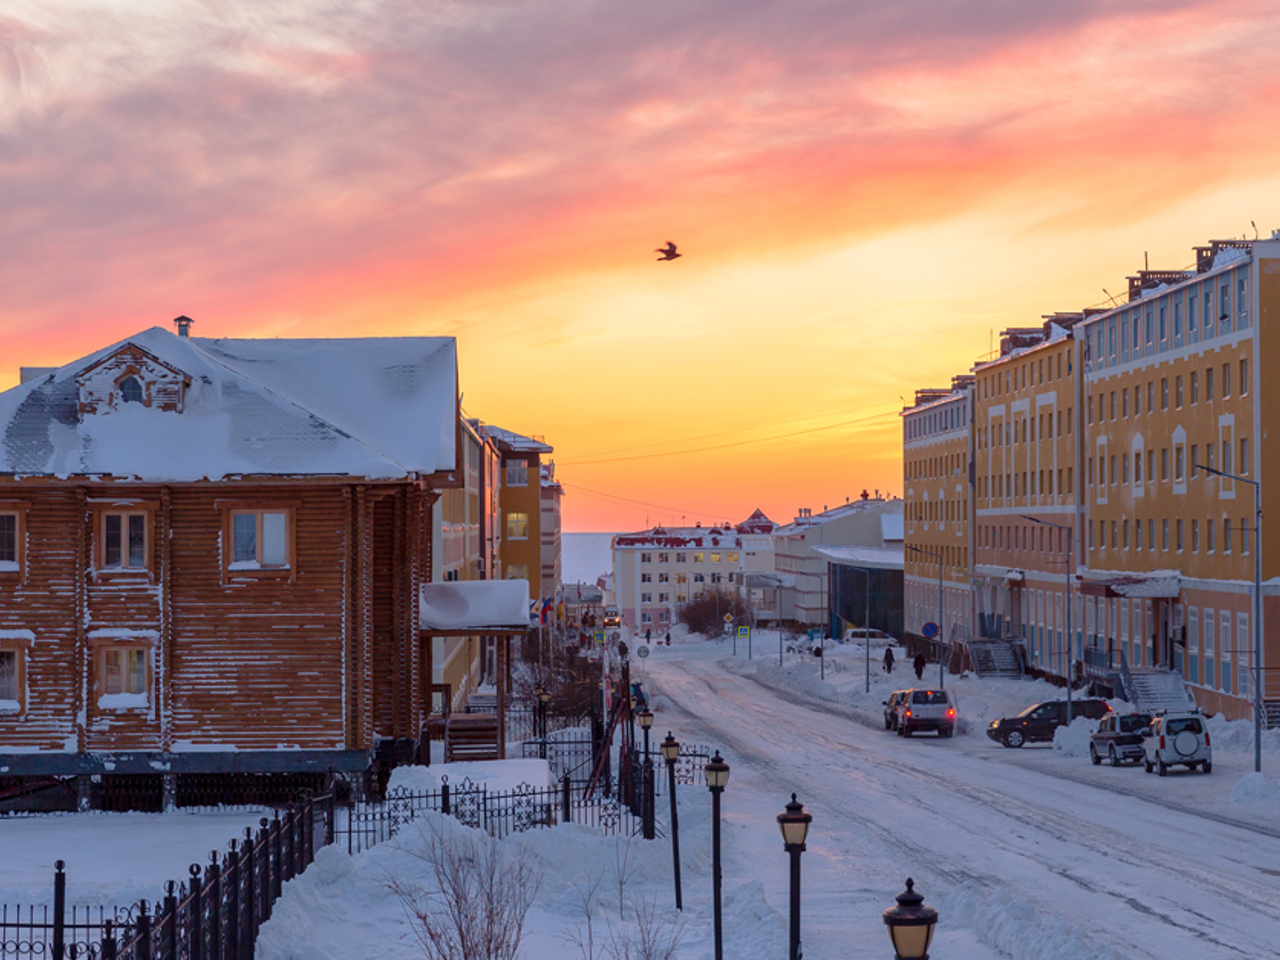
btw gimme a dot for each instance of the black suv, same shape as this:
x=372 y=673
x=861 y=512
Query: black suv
x=1119 y=737
x=1040 y=720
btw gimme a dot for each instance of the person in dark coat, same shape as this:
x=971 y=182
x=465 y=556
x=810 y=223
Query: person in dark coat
x=919 y=663
x=888 y=659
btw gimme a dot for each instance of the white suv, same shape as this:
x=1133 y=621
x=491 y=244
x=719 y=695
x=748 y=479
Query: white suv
x=1178 y=738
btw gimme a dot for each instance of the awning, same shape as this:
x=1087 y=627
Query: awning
x=482 y=605
x=1161 y=585
x=865 y=558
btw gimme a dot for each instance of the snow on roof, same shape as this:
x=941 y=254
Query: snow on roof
x=517 y=443
x=464 y=604
x=891 y=526
x=675 y=538
x=369 y=407
x=874 y=558
x=800 y=524
x=756 y=523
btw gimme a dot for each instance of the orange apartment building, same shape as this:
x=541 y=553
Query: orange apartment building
x=937 y=465
x=1085 y=436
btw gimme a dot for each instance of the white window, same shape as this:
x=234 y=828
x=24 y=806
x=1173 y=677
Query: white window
x=517 y=571
x=517 y=526
x=664 y=578
x=12 y=677
x=10 y=541
x=646 y=558
x=664 y=558
x=646 y=617
x=124 y=676
x=646 y=578
x=646 y=598
x=715 y=558
x=664 y=598
x=125 y=540
x=681 y=557
x=260 y=540
x=517 y=473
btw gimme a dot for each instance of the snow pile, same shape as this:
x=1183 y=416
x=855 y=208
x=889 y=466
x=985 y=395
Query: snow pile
x=1236 y=736
x=1073 y=740
x=496 y=776
x=1255 y=788
x=1017 y=929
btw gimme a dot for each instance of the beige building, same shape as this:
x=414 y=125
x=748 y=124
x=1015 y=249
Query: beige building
x=654 y=571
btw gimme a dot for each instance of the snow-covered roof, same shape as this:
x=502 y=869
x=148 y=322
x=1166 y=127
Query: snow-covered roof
x=517 y=443
x=1161 y=584
x=468 y=604
x=874 y=558
x=800 y=524
x=891 y=527
x=369 y=407
x=756 y=523
x=679 y=538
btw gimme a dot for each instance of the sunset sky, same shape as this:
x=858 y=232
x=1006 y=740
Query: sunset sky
x=864 y=193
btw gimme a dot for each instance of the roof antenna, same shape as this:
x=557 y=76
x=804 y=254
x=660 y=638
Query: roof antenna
x=1255 y=229
x=184 y=325
x=1110 y=298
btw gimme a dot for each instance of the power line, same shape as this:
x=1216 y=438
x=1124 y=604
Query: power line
x=738 y=443
x=665 y=508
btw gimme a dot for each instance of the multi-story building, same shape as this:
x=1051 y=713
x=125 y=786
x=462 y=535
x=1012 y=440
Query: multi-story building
x=937 y=464
x=654 y=571
x=868 y=522
x=520 y=497
x=1170 y=382
x=1087 y=437
x=552 y=494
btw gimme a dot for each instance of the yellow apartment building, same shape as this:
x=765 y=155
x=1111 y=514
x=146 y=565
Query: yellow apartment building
x=1170 y=382
x=937 y=461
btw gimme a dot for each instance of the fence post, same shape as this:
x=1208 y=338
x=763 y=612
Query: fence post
x=286 y=827
x=263 y=856
x=231 y=876
x=444 y=797
x=142 y=938
x=59 y=909
x=249 y=863
x=308 y=831
x=277 y=858
x=566 y=798
x=195 y=924
x=647 y=804
x=170 y=921
x=108 y=945
x=330 y=814
x=213 y=889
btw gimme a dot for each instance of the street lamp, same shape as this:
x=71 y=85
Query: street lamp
x=910 y=925
x=717 y=774
x=1257 y=609
x=937 y=556
x=645 y=717
x=794 y=823
x=1066 y=667
x=670 y=751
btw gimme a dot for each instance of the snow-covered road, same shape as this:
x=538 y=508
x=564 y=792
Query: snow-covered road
x=1108 y=873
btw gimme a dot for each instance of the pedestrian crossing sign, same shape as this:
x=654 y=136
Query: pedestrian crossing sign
x=600 y=637
x=744 y=632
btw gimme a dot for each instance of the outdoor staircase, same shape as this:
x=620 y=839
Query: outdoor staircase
x=471 y=736
x=1155 y=689
x=1271 y=713
x=995 y=658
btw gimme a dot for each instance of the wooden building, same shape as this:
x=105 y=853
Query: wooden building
x=211 y=555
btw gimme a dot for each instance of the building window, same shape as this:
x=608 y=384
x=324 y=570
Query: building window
x=517 y=571
x=682 y=578
x=646 y=558
x=12 y=679
x=664 y=578
x=682 y=558
x=733 y=558
x=697 y=558
x=646 y=578
x=260 y=539
x=1226 y=380
x=125 y=537
x=517 y=526
x=130 y=390
x=715 y=558
x=10 y=541
x=1226 y=534
x=717 y=578
x=517 y=473
x=646 y=598
x=664 y=558
x=664 y=598
x=646 y=617
x=699 y=578
x=124 y=675
x=1164 y=534
x=1244 y=376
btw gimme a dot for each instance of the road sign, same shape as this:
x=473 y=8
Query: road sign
x=615 y=636
x=728 y=618
x=744 y=631
x=642 y=651
x=930 y=630
x=600 y=637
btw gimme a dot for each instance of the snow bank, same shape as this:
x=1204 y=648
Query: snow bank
x=1073 y=740
x=1255 y=788
x=497 y=776
x=1016 y=928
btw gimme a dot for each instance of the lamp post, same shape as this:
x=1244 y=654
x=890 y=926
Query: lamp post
x=910 y=925
x=1257 y=608
x=937 y=556
x=670 y=751
x=540 y=698
x=717 y=774
x=645 y=717
x=794 y=823
x=1066 y=666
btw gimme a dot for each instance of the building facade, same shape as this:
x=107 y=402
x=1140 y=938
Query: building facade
x=654 y=571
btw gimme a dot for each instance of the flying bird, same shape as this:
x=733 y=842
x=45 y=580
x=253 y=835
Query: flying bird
x=668 y=252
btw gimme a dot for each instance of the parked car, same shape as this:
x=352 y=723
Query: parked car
x=891 y=709
x=861 y=633
x=923 y=709
x=1119 y=738
x=612 y=616
x=1178 y=739
x=1039 y=721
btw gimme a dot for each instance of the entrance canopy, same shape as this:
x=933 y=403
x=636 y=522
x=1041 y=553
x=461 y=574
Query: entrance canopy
x=1158 y=585
x=477 y=606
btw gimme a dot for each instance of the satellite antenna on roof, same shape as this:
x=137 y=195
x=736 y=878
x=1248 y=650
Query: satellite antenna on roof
x=184 y=325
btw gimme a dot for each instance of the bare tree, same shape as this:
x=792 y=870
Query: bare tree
x=583 y=934
x=473 y=903
x=649 y=936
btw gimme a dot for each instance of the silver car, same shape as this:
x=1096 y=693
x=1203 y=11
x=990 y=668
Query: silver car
x=1178 y=739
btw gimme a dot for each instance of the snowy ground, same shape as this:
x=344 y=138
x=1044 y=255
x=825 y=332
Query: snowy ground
x=1033 y=853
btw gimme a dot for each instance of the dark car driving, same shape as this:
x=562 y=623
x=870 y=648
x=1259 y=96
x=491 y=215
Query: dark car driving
x=1039 y=722
x=1119 y=737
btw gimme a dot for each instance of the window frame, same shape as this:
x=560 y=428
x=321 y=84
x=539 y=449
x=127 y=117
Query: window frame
x=102 y=646
x=507 y=472
x=124 y=508
x=230 y=508
x=507 y=524
x=18 y=646
x=18 y=510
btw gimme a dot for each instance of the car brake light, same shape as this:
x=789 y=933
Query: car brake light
x=1162 y=741
x=951 y=713
x=1206 y=738
x=908 y=713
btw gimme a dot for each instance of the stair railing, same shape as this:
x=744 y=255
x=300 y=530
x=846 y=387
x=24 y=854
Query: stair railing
x=1126 y=679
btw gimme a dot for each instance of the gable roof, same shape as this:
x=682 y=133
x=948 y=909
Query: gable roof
x=379 y=408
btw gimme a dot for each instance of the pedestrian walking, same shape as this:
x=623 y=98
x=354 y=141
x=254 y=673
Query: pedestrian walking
x=918 y=663
x=888 y=659
x=668 y=638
